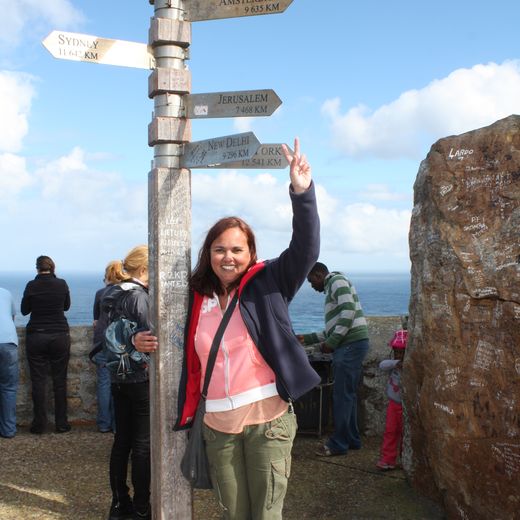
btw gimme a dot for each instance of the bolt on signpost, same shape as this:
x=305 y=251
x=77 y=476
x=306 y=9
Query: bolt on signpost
x=169 y=193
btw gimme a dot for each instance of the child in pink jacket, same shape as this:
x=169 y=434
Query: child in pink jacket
x=392 y=438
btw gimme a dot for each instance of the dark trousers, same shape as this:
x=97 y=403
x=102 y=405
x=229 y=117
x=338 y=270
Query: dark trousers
x=132 y=438
x=44 y=350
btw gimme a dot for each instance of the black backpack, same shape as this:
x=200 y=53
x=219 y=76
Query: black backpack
x=122 y=357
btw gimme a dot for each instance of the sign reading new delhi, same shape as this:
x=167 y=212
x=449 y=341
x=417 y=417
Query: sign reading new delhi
x=220 y=150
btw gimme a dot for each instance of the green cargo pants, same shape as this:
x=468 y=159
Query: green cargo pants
x=250 y=470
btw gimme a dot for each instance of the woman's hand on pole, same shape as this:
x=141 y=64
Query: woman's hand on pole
x=144 y=341
x=300 y=169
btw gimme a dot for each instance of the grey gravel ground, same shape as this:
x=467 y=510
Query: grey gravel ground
x=64 y=477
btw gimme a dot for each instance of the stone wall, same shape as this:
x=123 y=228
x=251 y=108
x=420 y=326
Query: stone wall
x=82 y=378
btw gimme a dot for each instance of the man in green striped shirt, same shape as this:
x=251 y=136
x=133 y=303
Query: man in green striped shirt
x=346 y=337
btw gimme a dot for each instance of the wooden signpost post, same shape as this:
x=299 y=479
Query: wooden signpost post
x=169 y=193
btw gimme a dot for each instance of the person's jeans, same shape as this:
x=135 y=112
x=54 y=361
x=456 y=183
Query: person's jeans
x=105 y=406
x=8 y=388
x=132 y=414
x=347 y=363
x=44 y=349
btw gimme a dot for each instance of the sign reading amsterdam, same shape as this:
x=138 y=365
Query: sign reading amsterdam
x=268 y=156
x=244 y=103
x=84 y=47
x=213 y=9
x=220 y=150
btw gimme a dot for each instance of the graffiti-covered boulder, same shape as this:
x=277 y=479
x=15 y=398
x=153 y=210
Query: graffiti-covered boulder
x=462 y=371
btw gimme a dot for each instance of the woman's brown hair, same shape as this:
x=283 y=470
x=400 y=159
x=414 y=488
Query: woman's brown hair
x=45 y=263
x=203 y=279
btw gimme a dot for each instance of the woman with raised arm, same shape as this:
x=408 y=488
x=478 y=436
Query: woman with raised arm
x=260 y=368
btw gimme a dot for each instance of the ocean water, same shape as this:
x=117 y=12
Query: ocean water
x=381 y=294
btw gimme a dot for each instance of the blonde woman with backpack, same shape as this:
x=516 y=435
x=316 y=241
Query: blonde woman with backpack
x=131 y=395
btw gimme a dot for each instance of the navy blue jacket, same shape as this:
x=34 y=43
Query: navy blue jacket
x=264 y=295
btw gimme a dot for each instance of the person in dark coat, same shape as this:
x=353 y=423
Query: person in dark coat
x=131 y=394
x=105 y=405
x=46 y=298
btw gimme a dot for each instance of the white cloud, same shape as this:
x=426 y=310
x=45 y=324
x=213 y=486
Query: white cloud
x=381 y=192
x=18 y=15
x=86 y=217
x=13 y=176
x=97 y=199
x=59 y=177
x=262 y=201
x=365 y=228
x=464 y=100
x=16 y=94
x=243 y=124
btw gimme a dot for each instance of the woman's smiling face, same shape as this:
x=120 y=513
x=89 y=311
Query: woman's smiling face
x=230 y=255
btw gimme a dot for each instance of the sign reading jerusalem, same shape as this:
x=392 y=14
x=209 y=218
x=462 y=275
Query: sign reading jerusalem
x=242 y=103
x=93 y=49
x=198 y=10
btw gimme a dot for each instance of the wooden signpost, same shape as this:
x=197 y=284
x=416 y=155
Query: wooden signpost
x=169 y=194
x=170 y=216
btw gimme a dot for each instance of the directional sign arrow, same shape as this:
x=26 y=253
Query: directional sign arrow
x=268 y=156
x=213 y=9
x=84 y=47
x=220 y=150
x=244 y=103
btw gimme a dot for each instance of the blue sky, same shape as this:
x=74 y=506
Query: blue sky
x=367 y=86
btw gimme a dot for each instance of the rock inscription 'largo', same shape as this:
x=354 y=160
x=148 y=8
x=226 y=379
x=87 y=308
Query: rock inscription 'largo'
x=461 y=375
